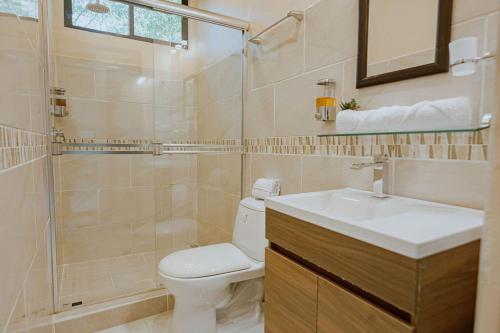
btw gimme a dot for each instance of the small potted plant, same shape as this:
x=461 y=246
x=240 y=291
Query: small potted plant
x=350 y=105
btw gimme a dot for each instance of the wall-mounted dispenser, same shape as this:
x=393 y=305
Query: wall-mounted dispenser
x=326 y=106
x=58 y=103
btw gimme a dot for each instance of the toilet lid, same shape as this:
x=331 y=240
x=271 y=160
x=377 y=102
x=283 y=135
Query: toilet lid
x=204 y=261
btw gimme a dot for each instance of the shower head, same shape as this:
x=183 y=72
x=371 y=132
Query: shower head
x=97 y=7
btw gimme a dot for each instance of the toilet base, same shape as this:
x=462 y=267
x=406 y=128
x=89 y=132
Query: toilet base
x=194 y=319
x=195 y=313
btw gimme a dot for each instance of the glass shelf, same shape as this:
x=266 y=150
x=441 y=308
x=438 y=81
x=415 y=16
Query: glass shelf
x=459 y=130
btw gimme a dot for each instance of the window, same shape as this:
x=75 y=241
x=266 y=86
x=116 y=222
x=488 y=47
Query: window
x=127 y=20
x=21 y=8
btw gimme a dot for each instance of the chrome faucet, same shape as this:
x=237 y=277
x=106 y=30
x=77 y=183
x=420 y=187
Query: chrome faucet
x=380 y=167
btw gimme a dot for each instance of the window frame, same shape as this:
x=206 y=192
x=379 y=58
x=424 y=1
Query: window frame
x=26 y=18
x=68 y=23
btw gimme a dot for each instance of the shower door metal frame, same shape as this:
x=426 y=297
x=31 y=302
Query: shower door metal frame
x=194 y=13
x=163 y=6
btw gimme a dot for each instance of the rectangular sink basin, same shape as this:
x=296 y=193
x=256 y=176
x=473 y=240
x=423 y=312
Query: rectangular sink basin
x=413 y=228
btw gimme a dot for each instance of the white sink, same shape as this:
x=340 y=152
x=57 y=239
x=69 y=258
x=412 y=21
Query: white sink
x=410 y=227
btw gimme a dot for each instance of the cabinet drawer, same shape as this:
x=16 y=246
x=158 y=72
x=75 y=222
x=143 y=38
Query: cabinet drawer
x=384 y=274
x=340 y=311
x=291 y=296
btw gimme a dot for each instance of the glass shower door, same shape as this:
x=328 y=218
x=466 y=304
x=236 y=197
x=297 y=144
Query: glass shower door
x=198 y=118
x=151 y=162
x=104 y=191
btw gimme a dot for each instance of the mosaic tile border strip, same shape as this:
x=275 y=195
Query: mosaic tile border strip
x=18 y=146
x=89 y=145
x=470 y=146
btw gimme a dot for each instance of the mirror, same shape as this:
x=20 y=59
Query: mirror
x=401 y=39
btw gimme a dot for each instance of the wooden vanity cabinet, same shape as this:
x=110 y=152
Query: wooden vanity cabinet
x=291 y=296
x=317 y=280
x=344 y=312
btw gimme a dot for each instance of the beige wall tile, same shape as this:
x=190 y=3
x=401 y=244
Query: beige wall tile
x=490 y=45
x=17 y=232
x=222 y=172
x=207 y=170
x=273 y=10
x=169 y=92
x=76 y=76
x=143 y=237
x=38 y=287
x=331 y=32
x=127 y=84
x=230 y=172
x=163 y=207
x=128 y=205
x=296 y=102
x=79 y=208
x=13 y=36
x=171 y=170
x=280 y=56
x=90 y=243
x=202 y=207
x=184 y=233
x=285 y=168
x=183 y=202
x=328 y=173
x=259 y=113
x=98 y=119
x=464 y=9
x=94 y=171
x=18 y=320
x=142 y=170
x=41 y=198
x=221 y=120
x=16 y=67
x=164 y=235
x=449 y=182
x=175 y=123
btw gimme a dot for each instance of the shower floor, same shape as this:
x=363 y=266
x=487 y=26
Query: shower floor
x=95 y=281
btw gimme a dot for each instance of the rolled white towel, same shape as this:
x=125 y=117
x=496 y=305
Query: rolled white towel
x=427 y=115
x=264 y=188
x=440 y=114
x=349 y=121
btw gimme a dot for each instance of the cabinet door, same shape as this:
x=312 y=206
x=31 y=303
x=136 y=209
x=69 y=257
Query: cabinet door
x=291 y=296
x=340 y=311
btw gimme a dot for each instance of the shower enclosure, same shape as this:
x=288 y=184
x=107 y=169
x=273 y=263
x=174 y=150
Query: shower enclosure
x=147 y=158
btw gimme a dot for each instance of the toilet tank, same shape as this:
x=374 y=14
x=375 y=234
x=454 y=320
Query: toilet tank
x=249 y=233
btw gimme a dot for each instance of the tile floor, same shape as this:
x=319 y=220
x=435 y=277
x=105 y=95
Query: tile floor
x=99 y=280
x=160 y=323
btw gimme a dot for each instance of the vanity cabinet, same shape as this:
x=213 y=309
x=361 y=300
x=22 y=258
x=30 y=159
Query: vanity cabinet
x=291 y=296
x=342 y=311
x=318 y=280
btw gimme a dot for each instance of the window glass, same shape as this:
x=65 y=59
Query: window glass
x=24 y=8
x=117 y=20
x=157 y=25
x=126 y=19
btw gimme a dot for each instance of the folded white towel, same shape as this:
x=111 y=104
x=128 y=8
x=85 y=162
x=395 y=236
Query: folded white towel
x=427 y=115
x=264 y=188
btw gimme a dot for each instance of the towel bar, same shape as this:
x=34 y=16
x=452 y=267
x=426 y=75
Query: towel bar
x=296 y=14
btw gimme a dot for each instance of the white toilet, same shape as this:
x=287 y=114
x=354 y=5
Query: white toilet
x=200 y=278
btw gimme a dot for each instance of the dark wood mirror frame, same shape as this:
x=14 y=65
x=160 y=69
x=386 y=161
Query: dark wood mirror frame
x=440 y=64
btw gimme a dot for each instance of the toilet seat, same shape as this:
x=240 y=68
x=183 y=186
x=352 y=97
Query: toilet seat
x=204 y=261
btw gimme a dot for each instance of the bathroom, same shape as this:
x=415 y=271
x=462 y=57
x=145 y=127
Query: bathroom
x=154 y=151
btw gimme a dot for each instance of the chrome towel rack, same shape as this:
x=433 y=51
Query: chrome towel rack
x=296 y=14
